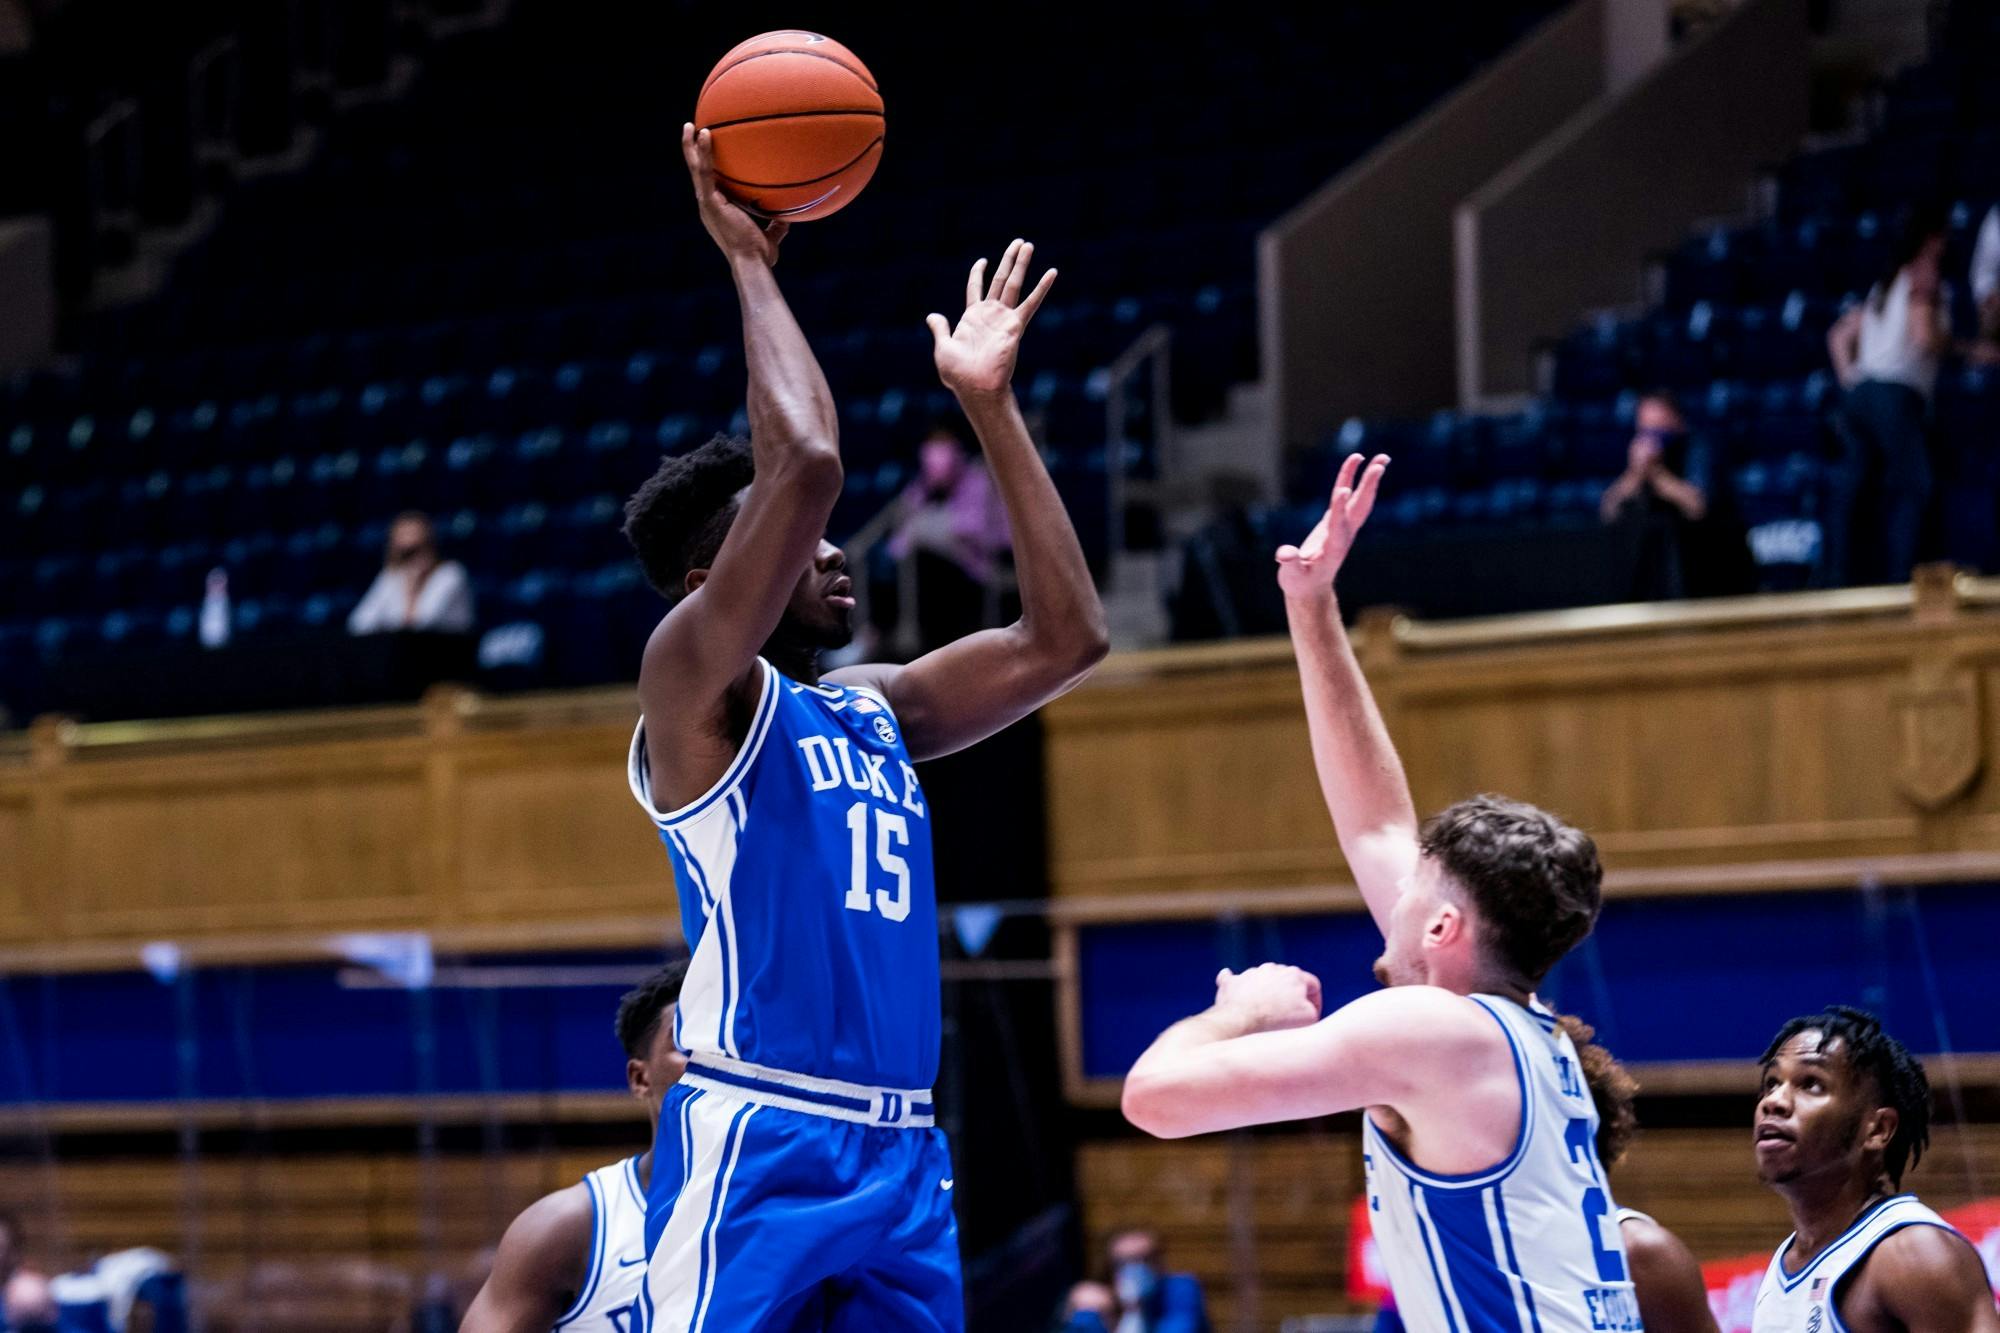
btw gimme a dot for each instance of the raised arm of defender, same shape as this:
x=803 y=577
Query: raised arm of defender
x=709 y=641
x=1359 y=773
x=967 y=690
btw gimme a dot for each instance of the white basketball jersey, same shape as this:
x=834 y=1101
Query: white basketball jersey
x=608 y=1301
x=1805 y=1301
x=1530 y=1245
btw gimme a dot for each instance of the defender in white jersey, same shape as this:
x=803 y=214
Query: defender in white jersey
x=1490 y=1207
x=1844 y=1110
x=576 y=1259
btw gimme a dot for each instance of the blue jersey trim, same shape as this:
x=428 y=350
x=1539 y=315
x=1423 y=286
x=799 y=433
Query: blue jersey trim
x=753 y=741
x=597 y=1242
x=632 y=1181
x=1430 y=1253
x=1514 y=1263
x=1491 y=1174
x=1791 y=1280
x=1833 y=1297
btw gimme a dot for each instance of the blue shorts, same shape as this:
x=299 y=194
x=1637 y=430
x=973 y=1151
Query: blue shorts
x=763 y=1218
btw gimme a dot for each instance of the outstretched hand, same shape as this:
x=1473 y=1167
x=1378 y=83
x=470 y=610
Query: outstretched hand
x=977 y=357
x=740 y=235
x=1308 y=569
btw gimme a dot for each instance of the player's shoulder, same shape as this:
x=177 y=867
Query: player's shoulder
x=1648 y=1244
x=1449 y=1024
x=1924 y=1249
x=555 y=1229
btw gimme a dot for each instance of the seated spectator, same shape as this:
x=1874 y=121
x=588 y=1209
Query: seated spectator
x=25 y=1300
x=1886 y=352
x=1684 y=545
x=1985 y=276
x=1141 y=1297
x=128 y=1291
x=954 y=531
x=415 y=590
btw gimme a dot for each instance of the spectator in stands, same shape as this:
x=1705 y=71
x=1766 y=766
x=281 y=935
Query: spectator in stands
x=415 y=590
x=25 y=1300
x=1985 y=277
x=1886 y=351
x=954 y=529
x=1141 y=1296
x=1662 y=499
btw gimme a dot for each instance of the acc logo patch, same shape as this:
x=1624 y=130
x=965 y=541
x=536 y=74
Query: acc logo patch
x=885 y=731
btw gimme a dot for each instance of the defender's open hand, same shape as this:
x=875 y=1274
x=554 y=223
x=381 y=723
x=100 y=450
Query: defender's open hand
x=977 y=357
x=1307 y=570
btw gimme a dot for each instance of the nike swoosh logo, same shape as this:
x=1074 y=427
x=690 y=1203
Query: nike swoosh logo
x=945 y=1184
x=632 y=1263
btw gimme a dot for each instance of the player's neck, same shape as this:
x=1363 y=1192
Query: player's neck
x=643 y=1168
x=793 y=661
x=1481 y=981
x=1823 y=1209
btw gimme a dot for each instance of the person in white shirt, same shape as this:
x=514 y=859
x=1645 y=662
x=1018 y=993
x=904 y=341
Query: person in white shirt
x=1985 y=277
x=1886 y=351
x=415 y=590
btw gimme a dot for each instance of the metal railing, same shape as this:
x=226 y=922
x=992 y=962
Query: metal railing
x=1152 y=353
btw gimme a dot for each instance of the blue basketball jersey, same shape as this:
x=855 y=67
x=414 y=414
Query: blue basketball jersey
x=806 y=893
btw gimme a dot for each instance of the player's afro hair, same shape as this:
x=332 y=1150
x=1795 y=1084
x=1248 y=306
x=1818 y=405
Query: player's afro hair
x=678 y=517
x=1612 y=1088
x=1535 y=880
x=642 y=1007
x=1899 y=1076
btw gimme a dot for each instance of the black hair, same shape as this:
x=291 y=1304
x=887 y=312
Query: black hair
x=678 y=517
x=1916 y=226
x=1534 y=880
x=641 y=1008
x=1899 y=1076
x=1612 y=1089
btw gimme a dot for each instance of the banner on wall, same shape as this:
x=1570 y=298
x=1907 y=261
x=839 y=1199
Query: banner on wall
x=1732 y=1283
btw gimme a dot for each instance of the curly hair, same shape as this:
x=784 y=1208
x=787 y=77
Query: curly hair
x=1899 y=1076
x=641 y=1008
x=1534 y=880
x=678 y=517
x=1611 y=1087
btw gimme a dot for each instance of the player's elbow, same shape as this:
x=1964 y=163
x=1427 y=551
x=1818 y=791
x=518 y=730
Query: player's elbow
x=1155 y=1106
x=811 y=467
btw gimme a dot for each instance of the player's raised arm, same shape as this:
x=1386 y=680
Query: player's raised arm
x=1262 y=1054
x=708 y=642
x=1359 y=773
x=539 y=1269
x=966 y=691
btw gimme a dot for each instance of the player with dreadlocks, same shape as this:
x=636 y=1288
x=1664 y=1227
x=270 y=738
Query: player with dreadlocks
x=1845 y=1110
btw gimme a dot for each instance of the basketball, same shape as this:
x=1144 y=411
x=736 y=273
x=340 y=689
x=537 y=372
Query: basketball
x=796 y=123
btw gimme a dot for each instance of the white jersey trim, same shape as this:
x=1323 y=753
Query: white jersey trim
x=1790 y=1281
x=639 y=768
x=1475 y=1179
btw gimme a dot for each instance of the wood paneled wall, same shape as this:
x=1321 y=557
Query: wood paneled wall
x=468 y=817
x=1819 y=728
x=1822 y=728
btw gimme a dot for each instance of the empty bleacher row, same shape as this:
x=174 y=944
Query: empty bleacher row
x=490 y=301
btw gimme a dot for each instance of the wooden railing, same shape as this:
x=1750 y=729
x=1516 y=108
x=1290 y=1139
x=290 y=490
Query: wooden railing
x=1762 y=742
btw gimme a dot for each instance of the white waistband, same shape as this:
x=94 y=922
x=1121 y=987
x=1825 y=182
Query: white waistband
x=890 y=1108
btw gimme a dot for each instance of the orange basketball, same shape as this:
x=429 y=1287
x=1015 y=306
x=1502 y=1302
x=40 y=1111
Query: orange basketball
x=796 y=123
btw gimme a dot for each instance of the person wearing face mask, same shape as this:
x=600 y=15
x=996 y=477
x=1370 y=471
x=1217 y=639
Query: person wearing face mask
x=1662 y=502
x=1141 y=1297
x=1886 y=351
x=416 y=590
x=953 y=528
